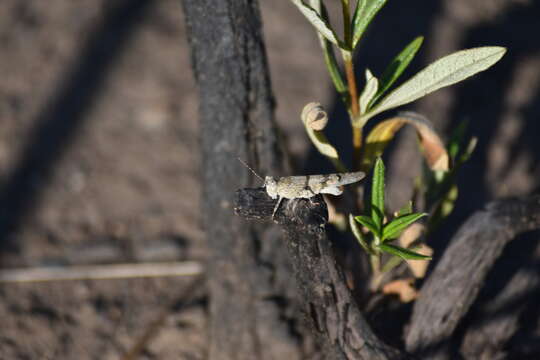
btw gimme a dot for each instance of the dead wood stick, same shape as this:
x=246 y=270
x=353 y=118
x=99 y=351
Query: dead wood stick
x=454 y=284
x=342 y=330
x=100 y=272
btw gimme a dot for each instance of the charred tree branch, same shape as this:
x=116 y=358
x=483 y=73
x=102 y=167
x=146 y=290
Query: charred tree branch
x=341 y=328
x=454 y=284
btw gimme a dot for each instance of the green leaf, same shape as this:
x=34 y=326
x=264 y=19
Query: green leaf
x=439 y=189
x=402 y=253
x=368 y=223
x=406 y=209
x=321 y=141
x=456 y=139
x=394 y=228
x=359 y=235
x=333 y=69
x=363 y=15
x=468 y=151
x=443 y=72
x=322 y=144
x=449 y=201
x=322 y=26
x=443 y=208
x=380 y=136
x=391 y=263
x=329 y=56
x=397 y=67
x=395 y=260
x=377 y=193
x=369 y=91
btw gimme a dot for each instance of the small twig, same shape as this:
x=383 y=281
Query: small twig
x=101 y=272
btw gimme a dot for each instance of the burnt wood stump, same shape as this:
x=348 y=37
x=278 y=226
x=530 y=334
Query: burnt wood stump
x=445 y=298
x=330 y=308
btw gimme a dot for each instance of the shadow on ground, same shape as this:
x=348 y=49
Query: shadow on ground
x=63 y=115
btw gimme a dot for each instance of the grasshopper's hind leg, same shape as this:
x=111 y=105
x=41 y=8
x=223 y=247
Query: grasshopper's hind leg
x=280 y=199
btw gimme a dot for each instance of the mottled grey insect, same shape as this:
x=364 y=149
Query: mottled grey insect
x=294 y=187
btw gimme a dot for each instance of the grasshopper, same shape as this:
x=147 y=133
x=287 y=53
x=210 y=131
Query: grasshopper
x=307 y=186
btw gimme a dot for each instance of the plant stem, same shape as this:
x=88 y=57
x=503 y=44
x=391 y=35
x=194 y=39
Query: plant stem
x=351 y=81
x=357 y=146
x=376 y=275
x=346 y=22
x=354 y=110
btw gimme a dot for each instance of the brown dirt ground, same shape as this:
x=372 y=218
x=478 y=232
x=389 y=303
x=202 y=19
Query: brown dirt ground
x=99 y=160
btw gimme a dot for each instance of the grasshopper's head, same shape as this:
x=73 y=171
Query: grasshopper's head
x=271 y=186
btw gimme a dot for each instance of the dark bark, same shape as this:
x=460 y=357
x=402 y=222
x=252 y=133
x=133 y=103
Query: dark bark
x=330 y=308
x=251 y=302
x=453 y=286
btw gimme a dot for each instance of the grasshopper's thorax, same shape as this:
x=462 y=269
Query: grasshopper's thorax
x=271 y=185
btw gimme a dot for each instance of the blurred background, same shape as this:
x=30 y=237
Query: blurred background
x=99 y=153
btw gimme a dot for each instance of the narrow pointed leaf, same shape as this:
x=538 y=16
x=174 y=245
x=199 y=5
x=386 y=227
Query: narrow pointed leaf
x=394 y=228
x=370 y=89
x=406 y=209
x=468 y=151
x=357 y=232
x=443 y=72
x=333 y=69
x=329 y=56
x=363 y=15
x=368 y=223
x=322 y=144
x=397 y=67
x=449 y=201
x=439 y=189
x=432 y=146
x=456 y=139
x=419 y=267
x=377 y=193
x=391 y=263
x=316 y=20
x=444 y=207
x=402 y=253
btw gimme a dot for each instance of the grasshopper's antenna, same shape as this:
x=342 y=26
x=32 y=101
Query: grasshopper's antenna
x=253 y=171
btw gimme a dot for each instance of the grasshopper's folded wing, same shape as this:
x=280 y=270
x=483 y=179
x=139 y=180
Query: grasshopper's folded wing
x=330 y=183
